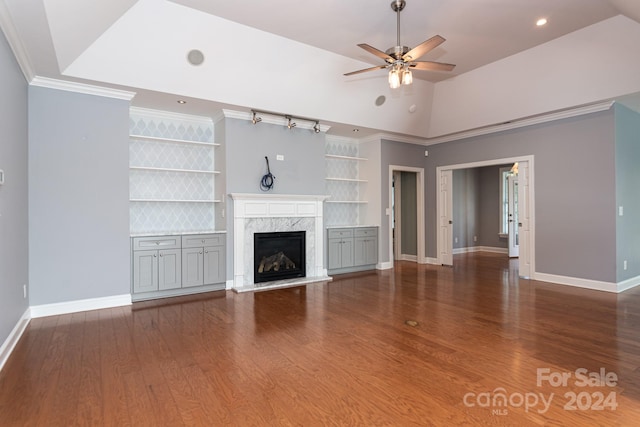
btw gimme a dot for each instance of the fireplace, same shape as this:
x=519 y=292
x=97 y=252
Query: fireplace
x=279 y=255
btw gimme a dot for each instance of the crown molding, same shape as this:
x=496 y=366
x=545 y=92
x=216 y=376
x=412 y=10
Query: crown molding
x=19 y=51
x=529 y=121
x=81 y=88
x=275 y=119
x=169 y=115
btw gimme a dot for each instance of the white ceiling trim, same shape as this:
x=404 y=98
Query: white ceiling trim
x=167 y=115
x=14 y=40
x=82 y=88
x=544 y=118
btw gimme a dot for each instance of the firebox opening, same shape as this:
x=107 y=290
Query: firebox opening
x=279 y=255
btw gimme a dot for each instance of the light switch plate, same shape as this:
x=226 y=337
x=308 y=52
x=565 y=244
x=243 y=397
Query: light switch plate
x=1 y=177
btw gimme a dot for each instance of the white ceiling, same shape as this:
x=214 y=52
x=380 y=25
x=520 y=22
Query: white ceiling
x=61 y=37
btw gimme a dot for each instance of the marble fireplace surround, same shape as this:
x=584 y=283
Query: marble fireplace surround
x=263 y=213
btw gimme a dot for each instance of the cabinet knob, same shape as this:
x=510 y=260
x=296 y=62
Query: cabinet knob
x=206 y=252
x=160 y=255
x=200 y=252
x=154 y=255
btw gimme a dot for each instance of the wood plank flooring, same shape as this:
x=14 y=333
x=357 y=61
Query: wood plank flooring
x=339 y=353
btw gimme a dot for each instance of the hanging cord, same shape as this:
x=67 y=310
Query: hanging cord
x=267 y=181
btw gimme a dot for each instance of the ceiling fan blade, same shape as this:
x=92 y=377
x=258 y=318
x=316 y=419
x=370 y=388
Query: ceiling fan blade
x=376 y=52
x=379 y=67
x=431 y=66
x=423 y=48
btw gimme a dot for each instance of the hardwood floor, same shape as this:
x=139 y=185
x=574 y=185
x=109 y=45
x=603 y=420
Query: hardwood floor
x=341 y=353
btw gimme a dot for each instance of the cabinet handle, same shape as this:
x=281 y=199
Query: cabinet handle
x=157 y=243
x=203 y=240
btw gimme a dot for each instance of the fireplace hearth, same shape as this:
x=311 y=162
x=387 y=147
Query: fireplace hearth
x=279 y=255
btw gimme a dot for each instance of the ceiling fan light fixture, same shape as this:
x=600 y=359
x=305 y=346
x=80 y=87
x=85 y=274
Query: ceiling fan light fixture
x=394 y=78
x=407 y=77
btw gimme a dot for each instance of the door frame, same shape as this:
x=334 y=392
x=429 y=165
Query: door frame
x=420 y=237
x=527 y=256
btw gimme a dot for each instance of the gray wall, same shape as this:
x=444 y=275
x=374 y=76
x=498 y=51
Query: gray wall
x=408 y=213
x=489 y=209
x=466 y=207
x=476 y=207
x=574 y=189
x=78 y=196
x=301 y=172
x=13 y=194
x=627 y=192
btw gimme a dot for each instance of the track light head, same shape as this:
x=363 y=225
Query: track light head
x=316 y=127
x=255 y=119
x=290 y=124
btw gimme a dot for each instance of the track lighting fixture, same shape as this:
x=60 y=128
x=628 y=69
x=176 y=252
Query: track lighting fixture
x=307 y=123
x=254 y=118
x=290 y=124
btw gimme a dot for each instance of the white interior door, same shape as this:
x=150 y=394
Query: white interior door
x=445 y=217
x=514 y=237
x=524 y=219
x=397 y=215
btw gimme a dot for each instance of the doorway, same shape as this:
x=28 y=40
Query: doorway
x=406 y=214
x=525 y=207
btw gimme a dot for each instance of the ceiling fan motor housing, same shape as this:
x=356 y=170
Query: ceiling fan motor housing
x=397 y=52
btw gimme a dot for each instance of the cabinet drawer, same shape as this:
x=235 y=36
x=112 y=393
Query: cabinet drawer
x=156 y=242
x=366 y=232
x=201 y=240
x=340 y=232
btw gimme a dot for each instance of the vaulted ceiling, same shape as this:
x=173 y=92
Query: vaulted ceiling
x=290 y=56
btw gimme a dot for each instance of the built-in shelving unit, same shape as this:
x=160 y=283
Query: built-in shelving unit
x=171 y=173
x=343 y=182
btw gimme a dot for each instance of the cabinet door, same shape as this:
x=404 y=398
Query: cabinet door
x=214 y=265
x=334 y=254
x=145 y=271
x=366 y=251
x=346 y=254
x=169 y=269
x=192 y=268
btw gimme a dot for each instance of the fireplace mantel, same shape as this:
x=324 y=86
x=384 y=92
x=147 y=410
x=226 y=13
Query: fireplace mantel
x=256 y=213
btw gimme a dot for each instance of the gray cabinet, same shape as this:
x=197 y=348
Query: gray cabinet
x=156 y=263
x=177 y=265
x=351 y=249
x=365 y=246
x=203 y=259
x=340 y=248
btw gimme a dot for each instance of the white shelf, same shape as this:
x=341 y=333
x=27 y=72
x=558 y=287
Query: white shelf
x=334 y=156
x=179 y=141
x=347 y=201
x=145 y=168
x=174 y=201
x=346 y=179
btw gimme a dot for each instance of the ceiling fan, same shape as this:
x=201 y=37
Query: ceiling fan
x=400 y=59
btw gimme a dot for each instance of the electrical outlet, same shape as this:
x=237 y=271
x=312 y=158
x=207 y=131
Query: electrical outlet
x=279 y=157
x=475 y=238
x=455 y=240
x=24 y=291
x=624 y=264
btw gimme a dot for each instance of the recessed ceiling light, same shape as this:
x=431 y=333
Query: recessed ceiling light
x=542 y=21
x=181 y=101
